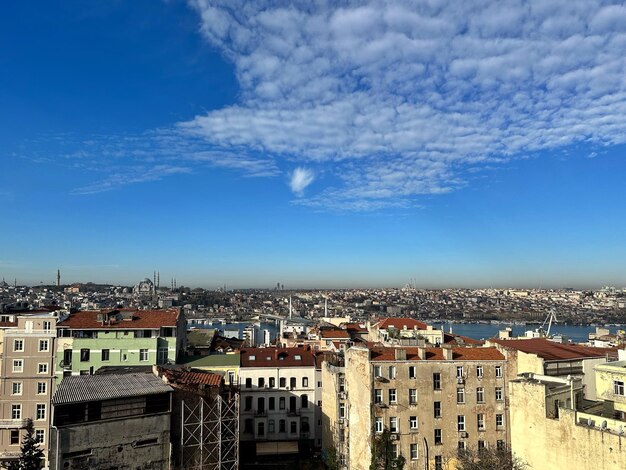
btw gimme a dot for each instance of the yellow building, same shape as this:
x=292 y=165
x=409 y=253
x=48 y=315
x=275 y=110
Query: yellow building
x=611 y=388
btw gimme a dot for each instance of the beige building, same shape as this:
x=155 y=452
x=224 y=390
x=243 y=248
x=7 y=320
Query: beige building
x=553 y=426
x=404 y=332
x=434 y=401
x=26 y=379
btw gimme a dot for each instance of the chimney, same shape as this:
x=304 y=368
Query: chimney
x=400 y=354
x=447 y=353
x=421 y=352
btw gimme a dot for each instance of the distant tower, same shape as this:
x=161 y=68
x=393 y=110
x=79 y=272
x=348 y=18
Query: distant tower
x=326 y=307
x=289 y=306
x=58 y=278
x=158 y=279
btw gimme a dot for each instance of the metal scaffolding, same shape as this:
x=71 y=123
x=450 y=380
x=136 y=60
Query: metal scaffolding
x=210 y=433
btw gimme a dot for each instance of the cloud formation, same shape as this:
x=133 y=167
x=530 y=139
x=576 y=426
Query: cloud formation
x=401 y=97
x=300 y=179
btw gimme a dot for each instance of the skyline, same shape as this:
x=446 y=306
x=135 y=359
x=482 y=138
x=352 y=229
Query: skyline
x=245 y=144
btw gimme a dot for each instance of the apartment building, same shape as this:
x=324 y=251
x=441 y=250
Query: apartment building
x=88 y=340
x=435 y=402
x=277 y=411
x=405 y=331
x=26 y=379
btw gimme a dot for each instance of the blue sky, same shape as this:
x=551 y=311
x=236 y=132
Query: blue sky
x=316 y=144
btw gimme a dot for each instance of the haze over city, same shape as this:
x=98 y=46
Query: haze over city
x=249 y=143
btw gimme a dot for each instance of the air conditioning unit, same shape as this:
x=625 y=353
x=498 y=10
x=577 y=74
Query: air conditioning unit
x=342 y=396
x=460 y=380
x=463 y=434
x=394 y=437
x=342 y=421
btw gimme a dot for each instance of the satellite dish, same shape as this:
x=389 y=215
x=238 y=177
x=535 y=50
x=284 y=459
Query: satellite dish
x=604 y=424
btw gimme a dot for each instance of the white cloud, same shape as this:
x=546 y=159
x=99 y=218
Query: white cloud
x=402 y=97
x=300 y=179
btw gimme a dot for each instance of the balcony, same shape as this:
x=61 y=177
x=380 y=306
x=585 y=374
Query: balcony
x=66 y=364
x=12 y=423
x=10 y=455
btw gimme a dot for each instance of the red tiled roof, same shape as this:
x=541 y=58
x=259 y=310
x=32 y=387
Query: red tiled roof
x=334 y=334
x=193 y=378
x=436 y=354
x=277 y=357
x=448 y=338
x=354 y=328
x=551 y=351
x=141 y=319
x=400 y=323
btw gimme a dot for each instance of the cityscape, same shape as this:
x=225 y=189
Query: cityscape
x=313 y=235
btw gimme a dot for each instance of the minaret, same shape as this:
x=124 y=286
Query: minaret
x=326 y=306
x=289 y=307
x=58 y=278
x=158 y=279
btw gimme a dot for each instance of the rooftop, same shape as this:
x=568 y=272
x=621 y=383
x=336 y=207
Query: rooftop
x=551 y=351
x=120 y=319
x=277 y=357
x=86 y=388
x=437 y=354
x=400 y=324
x=213 y=360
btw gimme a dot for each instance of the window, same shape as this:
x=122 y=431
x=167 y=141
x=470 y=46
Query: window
x=15 y=437
x=393 y=397
x=304 y=401
x=270 y=426
x=292 y=382
x=438 y=462
x=392 y=372
x=460 y=423
x=18 y=365
x=272 y=382
x=437 y=381
x=84 y=355
x=46 y=325
x=498 y=371
x=305 y=382
x=292 y=404
x=412 y=372
x=378 y=424
x=162 y=354
x=42 y=368
x=16 y=411
x=480 y=418
x=248 y=404
x=378 y=371
x=18 y=345
x=480 y=395
x=437 y=409
x=413 y=451
x=394 y=451
x=248 y=426
x=105 y=355
x=281 y=403
x=282 y=426
x=378 y=396
x=271 y=403
x=618 y=387
x=481 y=445
x=260 y=429
x=500 y=444
x=261 y=382
x=412 y=396
x=319 y=385
x=342 y=384
x=479 y=372
x=248 y=382
x=42 y=388
x=461 y=447
x=499 y=421
x=294 y=427
x=44 y=345
x=393 y=424
x=143 y=354
x=459 y=371
x=438 y=437
x=342 y=410
x=282 y=382
x=460 y=395
x=41 y=411
x=260 y=405
x=413 y=422
x=16 y=388
x=498 y=393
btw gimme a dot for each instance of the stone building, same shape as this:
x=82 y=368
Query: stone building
x=434 y=401
x=27 y=342
x=277 y=406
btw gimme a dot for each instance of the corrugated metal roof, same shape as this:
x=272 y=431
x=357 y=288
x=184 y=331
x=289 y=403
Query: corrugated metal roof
x=84 y=388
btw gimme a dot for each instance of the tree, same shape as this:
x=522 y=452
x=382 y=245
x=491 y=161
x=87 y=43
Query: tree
x=382 y=453
x=489 y=459
x=32 y=455
x=330 y=458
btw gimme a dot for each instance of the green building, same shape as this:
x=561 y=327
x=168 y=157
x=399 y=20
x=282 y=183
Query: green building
x=88 y=340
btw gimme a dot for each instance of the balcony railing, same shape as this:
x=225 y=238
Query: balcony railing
x=23 y=332
x=12 y=423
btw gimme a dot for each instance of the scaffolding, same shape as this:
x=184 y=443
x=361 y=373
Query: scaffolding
x=210 y=433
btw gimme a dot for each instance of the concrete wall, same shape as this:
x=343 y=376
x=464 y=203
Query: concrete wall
x=114 y=444
x=546 y=443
